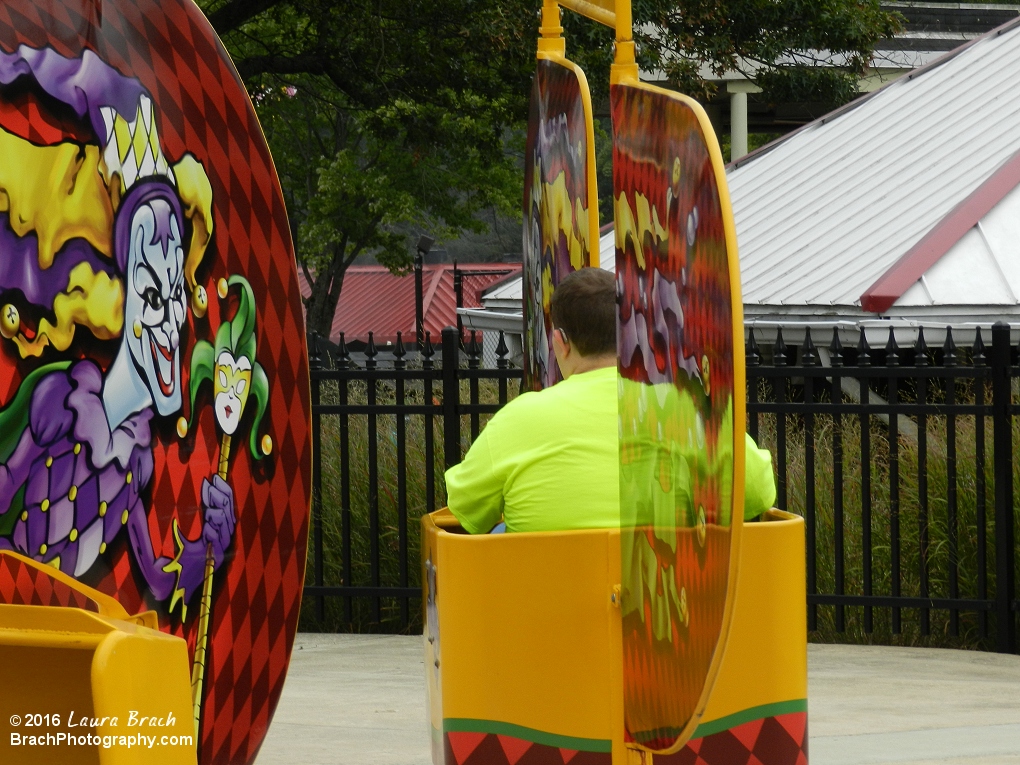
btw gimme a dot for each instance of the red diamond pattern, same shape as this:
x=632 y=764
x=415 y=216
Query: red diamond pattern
x=779 y=740
x=23 y=585
x=202 y=108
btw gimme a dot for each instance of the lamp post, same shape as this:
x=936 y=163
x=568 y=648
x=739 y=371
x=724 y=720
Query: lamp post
x=458 y=293
x=424 y=245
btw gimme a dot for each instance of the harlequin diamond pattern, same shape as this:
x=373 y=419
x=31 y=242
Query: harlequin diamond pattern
x=779 y=740
x=495 y=749
x=202 y=109
x=23 y=585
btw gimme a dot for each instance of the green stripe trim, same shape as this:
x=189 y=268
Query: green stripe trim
x=748 y=715
x=468 y=725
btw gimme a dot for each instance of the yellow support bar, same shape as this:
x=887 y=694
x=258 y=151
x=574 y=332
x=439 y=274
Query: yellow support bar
x=615 y=14
x=602 y=11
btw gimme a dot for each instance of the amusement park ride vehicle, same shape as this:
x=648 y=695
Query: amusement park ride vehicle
x=681 y=637
x=148 y=565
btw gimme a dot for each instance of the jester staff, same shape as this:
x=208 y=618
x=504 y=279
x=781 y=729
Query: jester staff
x=236 y=376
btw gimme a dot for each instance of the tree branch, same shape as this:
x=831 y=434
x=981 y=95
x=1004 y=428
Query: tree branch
x=229 y=17
x=303 y=64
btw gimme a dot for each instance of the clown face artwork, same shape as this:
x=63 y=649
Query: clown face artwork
x=155 y=300
x=80 y=470
x=154 y=305
x=132 y=176
x=231 y=385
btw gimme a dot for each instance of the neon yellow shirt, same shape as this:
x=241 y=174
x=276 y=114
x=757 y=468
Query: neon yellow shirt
x=549 y=461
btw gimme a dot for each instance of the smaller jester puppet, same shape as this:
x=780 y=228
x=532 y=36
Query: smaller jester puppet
x=98 y=230
x=234 y=372
x=236 y=377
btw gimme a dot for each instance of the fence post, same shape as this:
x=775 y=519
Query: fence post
x=451 y=396
x=315 y=364
x=1002 y=435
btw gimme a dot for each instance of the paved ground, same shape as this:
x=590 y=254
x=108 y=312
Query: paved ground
x=360 y=700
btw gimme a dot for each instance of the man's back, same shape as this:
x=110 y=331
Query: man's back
x=548 y=461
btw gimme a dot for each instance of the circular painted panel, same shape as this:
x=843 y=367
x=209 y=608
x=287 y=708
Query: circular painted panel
x=155 y=423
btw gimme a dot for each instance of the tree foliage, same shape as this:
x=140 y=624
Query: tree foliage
x=392 y=117
x=812 y=50
x=385 y=118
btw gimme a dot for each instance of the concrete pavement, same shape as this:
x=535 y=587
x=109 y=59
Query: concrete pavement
x=360 y=700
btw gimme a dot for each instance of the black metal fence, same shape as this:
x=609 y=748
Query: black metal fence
x=900 y=459
x=383 y=430
x=905 y=479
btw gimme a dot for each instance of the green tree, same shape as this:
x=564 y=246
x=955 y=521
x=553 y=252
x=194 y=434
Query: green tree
x=793 y=49
x=390 y=117
x=385 y=118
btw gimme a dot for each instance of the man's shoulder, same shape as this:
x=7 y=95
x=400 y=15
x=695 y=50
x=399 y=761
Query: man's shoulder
x=560 y=401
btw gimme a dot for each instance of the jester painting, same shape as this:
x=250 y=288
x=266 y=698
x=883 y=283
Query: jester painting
x=79 y=457
x=133 y=176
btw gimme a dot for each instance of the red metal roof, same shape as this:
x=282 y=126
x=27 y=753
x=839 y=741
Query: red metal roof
x=374 y=300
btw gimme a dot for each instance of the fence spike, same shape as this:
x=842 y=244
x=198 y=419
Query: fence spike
x=343 y=354
x=892 y=350
x=399 y=352
x=428 y=351
x=921 y=349
x=752 y=353
x=863 y=350
x=502 y=351
x=949 y=349
x=979 y=349
x=836 y=349
x=808 y=355
x=779 y=350
x=371 y=352
x=474 y=351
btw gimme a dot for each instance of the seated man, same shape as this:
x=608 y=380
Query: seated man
x=549 y=460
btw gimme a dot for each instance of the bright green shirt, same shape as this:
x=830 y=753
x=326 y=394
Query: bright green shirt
x=549 y=461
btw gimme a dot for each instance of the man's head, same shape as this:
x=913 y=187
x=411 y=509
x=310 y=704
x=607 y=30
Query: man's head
x=584 y=321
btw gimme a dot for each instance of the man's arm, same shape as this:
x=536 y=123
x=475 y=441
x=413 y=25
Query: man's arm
x=759 y=481
x=474 y=488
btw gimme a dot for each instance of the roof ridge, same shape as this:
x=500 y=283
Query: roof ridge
x=859 y=101
x=916 y=261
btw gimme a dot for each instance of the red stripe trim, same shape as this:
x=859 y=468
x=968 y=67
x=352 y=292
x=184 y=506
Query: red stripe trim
x=932 y=246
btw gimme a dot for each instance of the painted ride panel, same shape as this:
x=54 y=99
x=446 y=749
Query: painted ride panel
x=154 y=400
x=681 y=408
x=524 y=660
x=561 y=214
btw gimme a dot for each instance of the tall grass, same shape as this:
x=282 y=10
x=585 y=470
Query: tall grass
x=397 y=565
x=952 y=544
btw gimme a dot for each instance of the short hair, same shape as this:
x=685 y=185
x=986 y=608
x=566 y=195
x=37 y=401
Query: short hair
x=584 y=306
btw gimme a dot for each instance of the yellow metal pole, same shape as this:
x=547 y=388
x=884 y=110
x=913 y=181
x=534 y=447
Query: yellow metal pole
x=625 y=68
x=205 y=607
x=551 y=42
x=602 y=11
